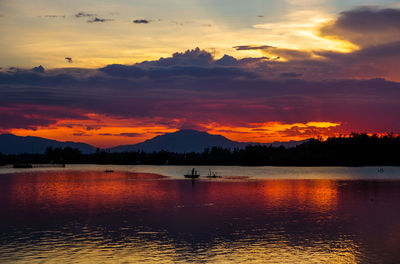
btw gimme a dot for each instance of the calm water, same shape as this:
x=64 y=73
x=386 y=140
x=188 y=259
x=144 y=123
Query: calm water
x=150 y=214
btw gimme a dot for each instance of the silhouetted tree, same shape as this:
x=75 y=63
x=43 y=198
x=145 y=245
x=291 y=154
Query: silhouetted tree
x=357 y=149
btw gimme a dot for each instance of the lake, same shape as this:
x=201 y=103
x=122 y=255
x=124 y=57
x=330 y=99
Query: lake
x=150 y=214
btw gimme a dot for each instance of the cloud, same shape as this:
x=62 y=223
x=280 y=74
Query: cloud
x=99 y=20
x=141 y=21
x=196 y=57
x=193 y=88
x=81 y=134
x=252 y=47
x=89 y=128
x=84 y=14
x=365 y=26
x=309 y=132
x=105 y=134
x=18 y=119
x=32 y=116
x=121 y=134
x=192 y=63
x=39 y=69
x=129 y=134
x=290 y=74
x=53 y=16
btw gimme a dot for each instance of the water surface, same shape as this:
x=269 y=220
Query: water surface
x=136 y=215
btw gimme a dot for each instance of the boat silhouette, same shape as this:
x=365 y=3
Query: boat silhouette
x=212 y=174
x=194 y=174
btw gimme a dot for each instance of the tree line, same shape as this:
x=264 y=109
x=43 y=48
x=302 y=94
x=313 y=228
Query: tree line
x=357 y=149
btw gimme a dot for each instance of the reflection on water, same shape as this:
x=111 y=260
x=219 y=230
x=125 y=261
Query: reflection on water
x=125 y=217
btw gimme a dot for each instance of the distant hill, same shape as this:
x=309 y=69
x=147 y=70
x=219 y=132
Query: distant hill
x=182 y=141
x=11 y=144
x=191 y=141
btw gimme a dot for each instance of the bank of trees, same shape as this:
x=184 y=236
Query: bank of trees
x=354 y=150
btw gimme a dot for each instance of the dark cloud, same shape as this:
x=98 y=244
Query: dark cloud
x=176 y=71
x=290 y=74
x=84 y=14
x=89 y=128
x=373 y=61
x=288 y=54
x=33 y=78
x=276 y=54
x=227 y=60
x=195 y=57
x=53 y=16
x=119 y=70
x=121 y=134
x=365 y=26
x=141 y=21
x=129 y=134
x=28 y=116
x=252 y=47
x=99 y=20
x=193 y=87
x=192 y=63
x=68 y=59
x=39 y=69
x=80 y=134
x=18 y=119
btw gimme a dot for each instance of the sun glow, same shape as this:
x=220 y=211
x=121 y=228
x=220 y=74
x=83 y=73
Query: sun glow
x=105 y=131
x=275 y=131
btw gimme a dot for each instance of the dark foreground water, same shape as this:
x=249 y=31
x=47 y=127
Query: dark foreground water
x=126 y=217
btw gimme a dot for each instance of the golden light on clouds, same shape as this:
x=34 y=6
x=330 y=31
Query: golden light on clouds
x=273 y=131
x=48 y=41
x=106 y=131
x=302 y=33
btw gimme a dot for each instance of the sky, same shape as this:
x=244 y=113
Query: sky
x=119 y=72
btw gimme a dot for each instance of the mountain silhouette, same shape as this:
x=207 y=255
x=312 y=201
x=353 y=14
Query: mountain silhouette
x=182 y=141
x=12 y=144
x=185 y=141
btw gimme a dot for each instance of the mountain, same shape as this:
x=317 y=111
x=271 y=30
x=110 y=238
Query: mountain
x=11 y=144
x=181 y=141
x=191 y=141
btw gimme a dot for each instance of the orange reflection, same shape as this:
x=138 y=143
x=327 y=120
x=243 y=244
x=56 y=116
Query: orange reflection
x=321 y=195
x=97 y=189
x=89 y=189
x=243 y=213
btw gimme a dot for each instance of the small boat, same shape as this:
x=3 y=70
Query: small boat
x=193 y=175
x=108 y=171
x=212 y=174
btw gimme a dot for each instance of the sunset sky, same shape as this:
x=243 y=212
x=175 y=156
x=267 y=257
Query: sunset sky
x=119 y=72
